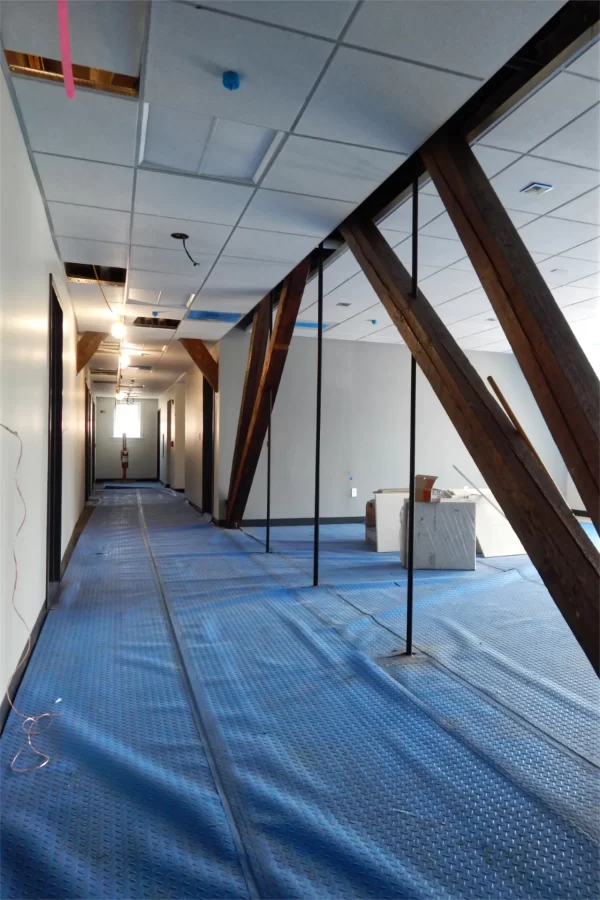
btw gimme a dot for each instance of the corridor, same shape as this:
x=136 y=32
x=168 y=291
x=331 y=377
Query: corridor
x=224 y=730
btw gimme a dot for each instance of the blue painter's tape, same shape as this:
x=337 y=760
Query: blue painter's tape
x=205 y=315
x=310 y=325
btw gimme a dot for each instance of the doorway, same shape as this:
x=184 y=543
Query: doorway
x=158 y=445
x=88 y=444
x=170 y=440
x=208 y=418
x=55 y=400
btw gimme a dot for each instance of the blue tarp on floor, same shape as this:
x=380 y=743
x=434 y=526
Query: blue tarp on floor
x=289 y=751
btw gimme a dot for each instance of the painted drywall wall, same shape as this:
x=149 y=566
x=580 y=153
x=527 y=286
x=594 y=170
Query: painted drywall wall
x=172 y=458
x=365 y=419
x=193 y=435
x=27 y=258
x=142 y=451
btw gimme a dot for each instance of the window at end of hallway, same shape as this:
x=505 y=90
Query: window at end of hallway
x=127 y=420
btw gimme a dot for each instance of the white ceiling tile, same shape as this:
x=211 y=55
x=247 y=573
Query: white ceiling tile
x=269 y=245
x=447 y=284
x=493 y=160
x=476 y=38
x=473 y=303
x=235 y=285
x=189 y=50
x=590 y=250
x=87 y=183
x=567 y=183
x=325 y=18
x=356 y=291
x=388 y=335
x=175 y=262
x=156 y=231
x=556 y=235
x=98 y=253
x=294 y=213
x=357 y=328
x=544 y=112
x=401 y=218
x=90 y=222
x=339 y=270
x=89 y=296
x=149 y=310
x=325 y=169
x=354 y=104
x=93 y=126
x=483 y=321
x=105 y=34
x=174 y=138
x=207 y=331
x=585 y=310
x=579 y=142
x=198 y=199
x=569 y=295
x=483 y=338
x=168 y=289
x=583 y=209
x=442 y=227
x=435 y=253
x=236 y=150
x=588 y=63
x=591 y=281
x=559 y=270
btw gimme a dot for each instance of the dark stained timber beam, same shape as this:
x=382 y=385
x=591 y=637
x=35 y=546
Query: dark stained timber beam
x=559 y=373
x=87 y=345
x=254 y=369
x=204 y=360
x=287 y=312
x=556 y=543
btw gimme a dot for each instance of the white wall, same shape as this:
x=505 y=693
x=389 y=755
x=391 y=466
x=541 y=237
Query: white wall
x=172 y=462
x=193 y=435
x=142 y=451
x=27 y=257
x=365 y=420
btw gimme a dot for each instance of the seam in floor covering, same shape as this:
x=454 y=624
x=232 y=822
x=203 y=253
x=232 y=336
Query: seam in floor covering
x=514 y=714
x=195 y=709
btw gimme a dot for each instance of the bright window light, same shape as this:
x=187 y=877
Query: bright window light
x=127 y=420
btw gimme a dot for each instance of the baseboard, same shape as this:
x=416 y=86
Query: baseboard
x=15 y=681
x=326 y=520
x=199 y=510
x=79 y=526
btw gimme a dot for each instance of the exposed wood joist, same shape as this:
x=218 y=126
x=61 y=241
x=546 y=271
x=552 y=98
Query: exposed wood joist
x=203 y=358
x=254 y=368
x=287 y=312
x=558 y=371
x=87 y=345
x=557 y=545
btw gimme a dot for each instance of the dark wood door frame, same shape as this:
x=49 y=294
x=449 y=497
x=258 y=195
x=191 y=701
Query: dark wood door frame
x=208 y=453
x=55 y=398
x=158 y=445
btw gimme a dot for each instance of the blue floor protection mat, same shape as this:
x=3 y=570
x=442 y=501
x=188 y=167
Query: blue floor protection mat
x=325 y=765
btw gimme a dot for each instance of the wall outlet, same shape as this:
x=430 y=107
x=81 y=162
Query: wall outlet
x=354 y=492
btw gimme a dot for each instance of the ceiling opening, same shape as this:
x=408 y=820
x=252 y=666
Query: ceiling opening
x=82 y=273
x=84 y=76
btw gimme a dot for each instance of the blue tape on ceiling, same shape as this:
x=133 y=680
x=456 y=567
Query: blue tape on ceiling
x=205 y=315
x=310 y=325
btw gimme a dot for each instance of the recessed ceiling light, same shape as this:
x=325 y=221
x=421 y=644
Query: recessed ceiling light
x=536 y=187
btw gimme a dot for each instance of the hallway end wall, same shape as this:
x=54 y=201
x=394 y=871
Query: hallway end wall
x=142 y=451
x=27 y=259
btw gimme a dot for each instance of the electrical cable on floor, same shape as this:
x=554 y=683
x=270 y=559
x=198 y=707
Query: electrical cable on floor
x=30 y=724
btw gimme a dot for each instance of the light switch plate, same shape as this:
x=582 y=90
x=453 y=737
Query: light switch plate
x=354 y=492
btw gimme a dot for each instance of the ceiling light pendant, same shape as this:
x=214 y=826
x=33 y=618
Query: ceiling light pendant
x=180 y=236
x=117 y=329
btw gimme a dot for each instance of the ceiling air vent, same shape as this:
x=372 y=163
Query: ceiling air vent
x=156 y=322
x=84 y=274
x=536 y=187
x=83 y=76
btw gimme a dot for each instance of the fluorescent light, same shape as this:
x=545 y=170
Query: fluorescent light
x=117 y=329
x=190 y=300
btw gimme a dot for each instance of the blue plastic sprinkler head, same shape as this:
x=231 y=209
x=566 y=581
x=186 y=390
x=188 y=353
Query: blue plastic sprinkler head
x=373 y=321
x=155 y=314
x=231 y=80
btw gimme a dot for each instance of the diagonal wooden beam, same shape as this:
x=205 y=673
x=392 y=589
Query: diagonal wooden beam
x=87 y=345
x=203 y=359
x=254 y=369
x=556 y=543
x=559 y=374
x=287 y=312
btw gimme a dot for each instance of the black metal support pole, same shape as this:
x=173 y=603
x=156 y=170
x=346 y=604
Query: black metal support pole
x=413 y=410
x=318 y=422
x=268 y=535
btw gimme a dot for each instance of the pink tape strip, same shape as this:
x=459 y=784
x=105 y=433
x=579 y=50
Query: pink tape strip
x=62 y=8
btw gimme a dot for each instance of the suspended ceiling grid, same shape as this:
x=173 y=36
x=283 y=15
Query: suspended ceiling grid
x=321 y=92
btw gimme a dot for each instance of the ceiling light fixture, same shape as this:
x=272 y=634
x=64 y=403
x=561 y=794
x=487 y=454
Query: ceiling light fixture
x=124 y=360
x=117 y=329
x=536 y=187
x=180 y=236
